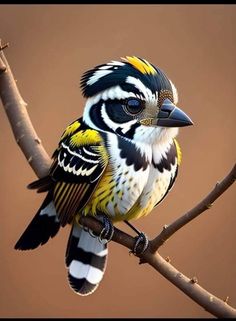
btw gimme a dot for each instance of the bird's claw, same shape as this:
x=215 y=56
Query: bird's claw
x=141 y=238
x=107 y=231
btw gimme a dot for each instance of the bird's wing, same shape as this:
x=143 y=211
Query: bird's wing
x=78 y=164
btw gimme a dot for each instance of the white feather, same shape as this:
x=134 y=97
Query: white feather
x=116 y=63
x=80 y=270
x=139 y=178
x=175 y=92
x=97 y=75
x=149 y=96
x=49 y=210
x=91 y=244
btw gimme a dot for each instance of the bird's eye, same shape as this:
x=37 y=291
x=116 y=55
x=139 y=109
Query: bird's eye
x=133 y=106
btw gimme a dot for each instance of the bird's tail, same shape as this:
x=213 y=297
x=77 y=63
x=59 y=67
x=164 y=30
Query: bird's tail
x=86 y=261
x=44 y=225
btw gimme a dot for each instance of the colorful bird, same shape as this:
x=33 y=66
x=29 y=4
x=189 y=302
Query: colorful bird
x=116 y=163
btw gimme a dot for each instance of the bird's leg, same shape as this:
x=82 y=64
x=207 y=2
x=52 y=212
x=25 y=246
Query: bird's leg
x=132 y=227
x=140 y=238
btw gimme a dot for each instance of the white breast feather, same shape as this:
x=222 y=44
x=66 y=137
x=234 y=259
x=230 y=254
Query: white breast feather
x=137 y=184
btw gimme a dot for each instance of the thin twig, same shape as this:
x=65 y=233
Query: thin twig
x=39 y=160
x=202 y=206
x=2 y=47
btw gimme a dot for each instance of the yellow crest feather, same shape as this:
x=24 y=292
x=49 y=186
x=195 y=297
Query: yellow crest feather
x=142 y=65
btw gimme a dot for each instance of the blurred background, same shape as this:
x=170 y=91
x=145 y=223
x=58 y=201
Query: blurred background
x=50 y=47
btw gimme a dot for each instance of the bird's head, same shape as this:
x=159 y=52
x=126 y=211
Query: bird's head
x=132 y=98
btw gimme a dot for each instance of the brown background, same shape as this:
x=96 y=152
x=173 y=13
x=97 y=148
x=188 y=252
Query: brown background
x=50 y=47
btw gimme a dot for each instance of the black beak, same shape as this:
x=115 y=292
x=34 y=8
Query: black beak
x=171 y=116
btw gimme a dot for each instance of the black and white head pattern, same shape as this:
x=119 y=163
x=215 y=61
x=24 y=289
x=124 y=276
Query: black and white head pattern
x=120 y=93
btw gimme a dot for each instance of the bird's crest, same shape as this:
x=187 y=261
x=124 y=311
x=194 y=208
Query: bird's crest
x=141 y=64
x=116 y=73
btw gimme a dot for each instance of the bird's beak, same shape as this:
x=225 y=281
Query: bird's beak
x=168 y=116
x=171 y=116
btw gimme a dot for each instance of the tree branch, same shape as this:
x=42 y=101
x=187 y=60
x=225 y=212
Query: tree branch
x=205 y=204
x=189 y=286
x=23 y=130
x=39 y=160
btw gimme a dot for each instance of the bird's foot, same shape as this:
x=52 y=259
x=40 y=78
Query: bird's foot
x=107 y=232
x=142 y=240
x=139 y=239
x=108 y=229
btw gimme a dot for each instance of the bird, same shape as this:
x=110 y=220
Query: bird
x=116 y=162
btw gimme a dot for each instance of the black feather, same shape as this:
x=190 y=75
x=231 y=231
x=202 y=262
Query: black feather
x=118 y=76
x=40 y=229
x=44 y=181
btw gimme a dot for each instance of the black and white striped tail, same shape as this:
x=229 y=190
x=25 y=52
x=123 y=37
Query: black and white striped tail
x=44 y=225
x=86 y=261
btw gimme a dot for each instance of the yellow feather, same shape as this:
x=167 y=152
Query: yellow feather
x=103 y=154
x=71 y=129
x=85 y=137
x=102 y=194
x=179 y=153
x=143 y=66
